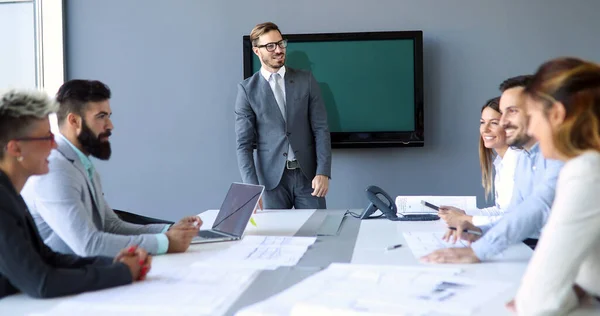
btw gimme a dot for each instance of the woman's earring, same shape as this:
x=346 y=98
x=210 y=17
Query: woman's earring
x=20 y=158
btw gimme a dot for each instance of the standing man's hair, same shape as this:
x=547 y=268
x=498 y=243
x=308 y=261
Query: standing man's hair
x=261 y=29
x=74 y=95
x=518 y=81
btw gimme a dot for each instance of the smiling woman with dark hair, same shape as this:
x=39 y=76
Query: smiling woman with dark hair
x=26 y=263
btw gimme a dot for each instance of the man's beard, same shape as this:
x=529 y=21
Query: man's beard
x=92 y=143
x=520 y=141
x=272 y=62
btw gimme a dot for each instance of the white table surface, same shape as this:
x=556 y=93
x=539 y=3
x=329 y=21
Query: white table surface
x=371 y=240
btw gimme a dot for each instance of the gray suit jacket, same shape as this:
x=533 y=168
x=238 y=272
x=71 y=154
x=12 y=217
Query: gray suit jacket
x=68 y=219
x=259 y=120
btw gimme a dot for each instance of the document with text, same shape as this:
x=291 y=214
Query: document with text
x=351 y=289
x=177 y=291
x=261 y=252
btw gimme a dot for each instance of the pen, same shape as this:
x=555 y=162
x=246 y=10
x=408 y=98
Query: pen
x=392 y=247
x=473 y=232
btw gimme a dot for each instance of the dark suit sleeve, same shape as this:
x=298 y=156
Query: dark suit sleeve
x=60 y=260
x=245 y=131
x=318 y=122
x=36 y=274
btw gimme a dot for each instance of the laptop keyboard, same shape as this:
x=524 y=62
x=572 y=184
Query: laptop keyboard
x=209 y=234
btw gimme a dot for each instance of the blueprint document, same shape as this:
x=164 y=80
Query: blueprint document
x=412 y=203
x=174 y=291
x=351 y=289
x=260 y=252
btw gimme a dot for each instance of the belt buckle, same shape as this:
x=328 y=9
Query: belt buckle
x=291 y=164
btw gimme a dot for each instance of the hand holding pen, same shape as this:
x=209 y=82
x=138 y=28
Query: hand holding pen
x=464 y=230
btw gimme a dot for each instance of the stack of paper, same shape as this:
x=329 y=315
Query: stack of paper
x=344 y=289
x=261 y=252
x=412 y=204
x=189 y=291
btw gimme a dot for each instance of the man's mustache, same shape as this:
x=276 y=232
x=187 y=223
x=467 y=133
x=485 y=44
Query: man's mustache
x=105 y=134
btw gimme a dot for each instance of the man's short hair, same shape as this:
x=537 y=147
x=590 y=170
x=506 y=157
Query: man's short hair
x=261 y=29
x=74 y=95
x=518 y=81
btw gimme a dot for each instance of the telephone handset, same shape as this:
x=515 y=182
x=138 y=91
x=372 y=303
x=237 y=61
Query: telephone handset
x=380 y=200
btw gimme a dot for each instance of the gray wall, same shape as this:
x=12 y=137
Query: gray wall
x=173 y=67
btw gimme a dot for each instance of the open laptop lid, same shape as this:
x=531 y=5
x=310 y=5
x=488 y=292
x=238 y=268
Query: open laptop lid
x=237 y=208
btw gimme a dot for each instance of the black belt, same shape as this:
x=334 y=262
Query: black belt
x=292 y=164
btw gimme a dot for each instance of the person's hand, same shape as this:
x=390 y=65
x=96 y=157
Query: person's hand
x=180 y=237
x=320 y=185
x=137 y=260
x=457 y=232
x=259 y=206
x=452 y=215
x=187 y=222
x=511 y=306
x=451 y=255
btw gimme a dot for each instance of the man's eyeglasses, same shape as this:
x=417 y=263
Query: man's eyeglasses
x=43 y=138
x=270 y=47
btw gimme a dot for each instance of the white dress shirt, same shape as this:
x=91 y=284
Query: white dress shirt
x=504 y=181
x=267 y=75
x=568 y=252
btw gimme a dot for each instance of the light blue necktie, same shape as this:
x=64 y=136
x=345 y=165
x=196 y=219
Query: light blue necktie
x=278 y=92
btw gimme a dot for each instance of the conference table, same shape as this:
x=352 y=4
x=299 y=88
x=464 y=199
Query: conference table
x=341 y=238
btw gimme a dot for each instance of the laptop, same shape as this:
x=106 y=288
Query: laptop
x=234 y=214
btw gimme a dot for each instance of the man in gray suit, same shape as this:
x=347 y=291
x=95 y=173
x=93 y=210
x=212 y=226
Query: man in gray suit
x=280 y=110
x=68 y=203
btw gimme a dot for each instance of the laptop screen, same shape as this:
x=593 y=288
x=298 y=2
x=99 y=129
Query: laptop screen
x=237 y=208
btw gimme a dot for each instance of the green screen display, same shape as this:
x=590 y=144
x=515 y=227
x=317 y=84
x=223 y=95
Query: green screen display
x=367 y=86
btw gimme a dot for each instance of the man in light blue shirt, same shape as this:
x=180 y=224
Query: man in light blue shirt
x=533 y=194
x=68 y=203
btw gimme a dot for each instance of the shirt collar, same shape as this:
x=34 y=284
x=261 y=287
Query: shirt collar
x=497 y=161
x=85 y=160
x=267 y=74
x=533 y=151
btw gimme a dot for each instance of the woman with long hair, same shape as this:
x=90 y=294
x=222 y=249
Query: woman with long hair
x=563 y=104
x=497 y=161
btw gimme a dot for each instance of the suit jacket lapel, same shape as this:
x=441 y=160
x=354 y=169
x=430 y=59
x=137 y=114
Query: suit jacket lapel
x=289 y=90
x=65 y=149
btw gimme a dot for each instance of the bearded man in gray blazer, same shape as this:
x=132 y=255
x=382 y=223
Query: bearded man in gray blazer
x=280 y=110
x=68 y=203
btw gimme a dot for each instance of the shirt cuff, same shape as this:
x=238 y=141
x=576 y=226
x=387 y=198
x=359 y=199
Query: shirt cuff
x=484 y=249
x=165 y=229
x=163 y=244
x=479 y=220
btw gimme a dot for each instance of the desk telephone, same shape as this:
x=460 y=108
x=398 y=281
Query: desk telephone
x=380 y=200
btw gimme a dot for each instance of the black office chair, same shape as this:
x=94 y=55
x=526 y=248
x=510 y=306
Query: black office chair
x=139 y=219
